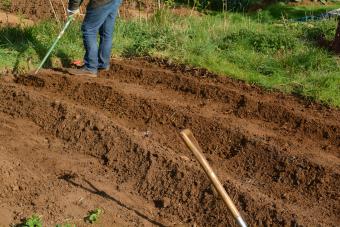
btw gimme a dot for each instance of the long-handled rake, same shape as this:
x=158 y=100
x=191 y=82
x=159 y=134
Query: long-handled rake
x=192 y=144
x=67 y=24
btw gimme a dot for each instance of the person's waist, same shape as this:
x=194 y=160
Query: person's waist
x=98 y=3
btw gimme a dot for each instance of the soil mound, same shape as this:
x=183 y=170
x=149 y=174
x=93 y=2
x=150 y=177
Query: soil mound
x=70 y=144
x=41 y=9
x=8 y=19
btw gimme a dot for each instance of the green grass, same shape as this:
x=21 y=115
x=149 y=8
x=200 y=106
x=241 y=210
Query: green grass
x=6 y=4
x=280 y=9
x=276 y=54
x=65 y=225
x=25 y=47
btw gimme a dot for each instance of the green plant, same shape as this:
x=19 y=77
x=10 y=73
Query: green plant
x=169 y=3
x=317 y=31
x=6 y=4
x=94 y=215
x=263 y=41
x=33 y=221
x=65 y=225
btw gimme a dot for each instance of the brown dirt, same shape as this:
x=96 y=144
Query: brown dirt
x=38 y=9
x=69 y=145
x=41 y=9
x=8 y=19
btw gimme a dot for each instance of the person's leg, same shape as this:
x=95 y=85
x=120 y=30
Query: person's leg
x=106 y=35
x=93 y=21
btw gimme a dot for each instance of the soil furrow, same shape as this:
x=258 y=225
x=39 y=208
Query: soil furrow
x=315 y=121
x=57 y=184
x=59 y=120
x=233 y=146
x=155 y=173
x=277 y=155
x=131 y=100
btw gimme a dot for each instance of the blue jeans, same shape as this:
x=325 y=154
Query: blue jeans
x=99 y=20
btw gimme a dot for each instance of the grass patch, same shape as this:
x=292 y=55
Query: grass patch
x=6 y=4
x=25 y=47
x=282 y=10
x=258 y=49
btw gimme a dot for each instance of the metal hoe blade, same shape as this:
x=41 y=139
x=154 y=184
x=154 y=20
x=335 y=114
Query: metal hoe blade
x=67 y=24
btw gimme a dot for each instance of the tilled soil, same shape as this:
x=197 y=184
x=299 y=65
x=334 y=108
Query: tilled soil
x=7 y=19
x=71 y=144
x=37 y=9
x=42 y=9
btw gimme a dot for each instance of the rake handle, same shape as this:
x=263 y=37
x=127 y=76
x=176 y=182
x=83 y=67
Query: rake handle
x=67 y=24
x=192 y=144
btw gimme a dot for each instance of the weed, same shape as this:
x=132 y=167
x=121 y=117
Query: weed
x=65 y=225
x=33 y=221
x=93 y=215
x=317 y=31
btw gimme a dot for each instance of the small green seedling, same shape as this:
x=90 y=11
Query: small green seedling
x=65 y=225
x=33 y=221
x=94 y=215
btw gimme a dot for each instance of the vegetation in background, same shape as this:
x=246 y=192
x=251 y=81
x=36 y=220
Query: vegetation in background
x=281 y=10
x=6 y=4
x=245 y=5
x=25 y=47
x=262 y=48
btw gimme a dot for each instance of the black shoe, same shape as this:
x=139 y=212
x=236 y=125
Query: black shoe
x=82 y=72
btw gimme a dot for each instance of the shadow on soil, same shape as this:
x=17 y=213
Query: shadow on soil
x=91 y=188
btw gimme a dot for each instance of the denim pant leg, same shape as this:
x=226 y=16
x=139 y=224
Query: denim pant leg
x=106 y=36
x=93 y=21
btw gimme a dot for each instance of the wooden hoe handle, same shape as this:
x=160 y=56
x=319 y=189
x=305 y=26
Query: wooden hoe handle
x=192 y=144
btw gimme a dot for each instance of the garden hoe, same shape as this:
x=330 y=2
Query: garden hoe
x=67 y=24
x=192 y=144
